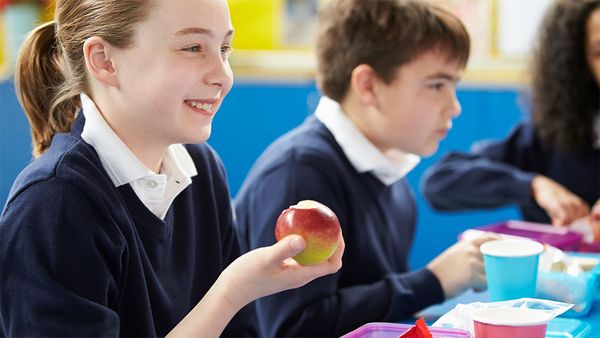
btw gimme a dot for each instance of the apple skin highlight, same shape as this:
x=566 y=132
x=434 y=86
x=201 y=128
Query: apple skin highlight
x=317 y=224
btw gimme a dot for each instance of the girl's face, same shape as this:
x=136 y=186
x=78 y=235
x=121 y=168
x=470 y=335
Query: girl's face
x=593 y=43
x=175 y=76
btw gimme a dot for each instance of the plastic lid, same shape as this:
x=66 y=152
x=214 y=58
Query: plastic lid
x=511 y=316
x=393 y=330
x=543 y=233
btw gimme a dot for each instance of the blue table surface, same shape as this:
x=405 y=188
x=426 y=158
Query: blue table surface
x=577 y=324
x=576 y=327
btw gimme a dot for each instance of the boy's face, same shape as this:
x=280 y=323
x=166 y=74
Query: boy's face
x=415 y=110
x=175 y=76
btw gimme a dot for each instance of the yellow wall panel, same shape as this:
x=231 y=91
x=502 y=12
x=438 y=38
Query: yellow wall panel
x=48 y=12
x=2 y=45
x=257 y=23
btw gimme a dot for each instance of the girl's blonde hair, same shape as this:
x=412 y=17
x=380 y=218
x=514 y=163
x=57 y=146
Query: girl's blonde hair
x=51 y=71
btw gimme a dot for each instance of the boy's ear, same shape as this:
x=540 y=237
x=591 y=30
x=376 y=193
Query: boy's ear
x=363 y=82
x=98 y=60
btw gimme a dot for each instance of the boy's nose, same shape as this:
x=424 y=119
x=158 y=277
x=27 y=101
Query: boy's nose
x=455 y=108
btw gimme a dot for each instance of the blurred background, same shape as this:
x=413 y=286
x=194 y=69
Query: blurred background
x=274 y=91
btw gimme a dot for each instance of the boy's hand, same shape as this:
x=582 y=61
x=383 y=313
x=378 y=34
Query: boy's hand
x=560 y=204
x=461 y=267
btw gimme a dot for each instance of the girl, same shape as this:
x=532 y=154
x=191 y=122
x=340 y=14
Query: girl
x=549 y=166
x=117 y=228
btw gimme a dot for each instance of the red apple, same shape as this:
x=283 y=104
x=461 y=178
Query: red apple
x=317 y=224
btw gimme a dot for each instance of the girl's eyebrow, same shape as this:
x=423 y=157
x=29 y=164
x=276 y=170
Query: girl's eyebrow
x=200 y=30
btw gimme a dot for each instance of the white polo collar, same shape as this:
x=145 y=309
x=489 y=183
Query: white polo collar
x=156 y=191
x=364 y=156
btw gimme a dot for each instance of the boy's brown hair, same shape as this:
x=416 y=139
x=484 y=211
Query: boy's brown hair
x=384 y=34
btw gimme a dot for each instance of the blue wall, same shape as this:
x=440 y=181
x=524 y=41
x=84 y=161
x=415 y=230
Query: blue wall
x=15 y=141
x=255 y=113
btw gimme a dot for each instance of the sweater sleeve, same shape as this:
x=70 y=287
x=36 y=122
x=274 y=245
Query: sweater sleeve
x=330 y=305
x=209 y=164
x=60 y=265
x=494 y=174
x=243 y=324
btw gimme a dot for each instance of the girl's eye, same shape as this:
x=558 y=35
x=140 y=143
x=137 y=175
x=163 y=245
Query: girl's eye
x=226 y=51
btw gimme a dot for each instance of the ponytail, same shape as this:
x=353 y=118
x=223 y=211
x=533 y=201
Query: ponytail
x=48 y=98
x=51 y=70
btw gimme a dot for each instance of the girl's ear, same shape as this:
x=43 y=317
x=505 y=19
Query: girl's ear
x=98 y=60
x=363 y=83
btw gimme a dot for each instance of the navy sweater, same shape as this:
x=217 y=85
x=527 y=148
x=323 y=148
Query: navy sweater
x=500 y=173
x=378 y=223
x=79 y=257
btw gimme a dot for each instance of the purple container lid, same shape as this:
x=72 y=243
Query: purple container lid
x=392 y=330
x=543 y=233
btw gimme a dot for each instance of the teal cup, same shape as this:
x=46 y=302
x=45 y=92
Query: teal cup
x=511 y=267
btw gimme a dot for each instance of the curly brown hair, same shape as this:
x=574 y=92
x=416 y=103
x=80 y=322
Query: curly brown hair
x=564 y=92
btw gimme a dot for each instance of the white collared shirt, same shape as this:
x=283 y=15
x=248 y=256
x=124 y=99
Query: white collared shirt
x=156 y=191
x=388 y=167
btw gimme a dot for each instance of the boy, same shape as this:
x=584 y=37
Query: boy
x=388 y=71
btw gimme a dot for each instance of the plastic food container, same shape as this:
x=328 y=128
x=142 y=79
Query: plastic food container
x=392 y=330
x=510 y=322
x=544 y=233
x=568 y=328
x=581 y=290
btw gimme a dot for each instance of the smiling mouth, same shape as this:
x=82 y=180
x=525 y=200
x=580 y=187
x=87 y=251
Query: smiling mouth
x=201 y=107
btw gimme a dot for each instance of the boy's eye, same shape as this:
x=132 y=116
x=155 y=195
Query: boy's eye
x=436 y=86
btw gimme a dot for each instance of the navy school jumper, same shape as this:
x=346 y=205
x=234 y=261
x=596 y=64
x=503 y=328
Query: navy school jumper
x=79 y=257
x=378 y=224
x=499 y=173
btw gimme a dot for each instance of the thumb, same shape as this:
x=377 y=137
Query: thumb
x=287 y=247
x=486 y=237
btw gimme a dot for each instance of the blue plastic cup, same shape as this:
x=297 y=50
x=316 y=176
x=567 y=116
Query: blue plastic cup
x=511 y=267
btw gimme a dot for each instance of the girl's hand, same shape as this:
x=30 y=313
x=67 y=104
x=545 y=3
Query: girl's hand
x=560 y=204
x=268 y=270
x=256 y=274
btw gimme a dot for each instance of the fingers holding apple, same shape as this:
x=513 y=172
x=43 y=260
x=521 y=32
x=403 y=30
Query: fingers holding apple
x=317 y=224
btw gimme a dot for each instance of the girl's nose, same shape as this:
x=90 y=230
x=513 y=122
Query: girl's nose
x=220 y=75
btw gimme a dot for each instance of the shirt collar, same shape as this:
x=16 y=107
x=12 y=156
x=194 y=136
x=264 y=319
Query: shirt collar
x=388 y=167
x=118 y=160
